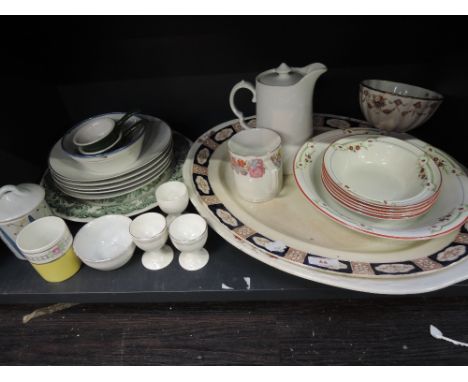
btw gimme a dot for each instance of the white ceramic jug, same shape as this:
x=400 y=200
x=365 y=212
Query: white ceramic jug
x=284 y=104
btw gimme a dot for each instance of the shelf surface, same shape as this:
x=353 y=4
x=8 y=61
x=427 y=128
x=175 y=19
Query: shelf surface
x=230 y=275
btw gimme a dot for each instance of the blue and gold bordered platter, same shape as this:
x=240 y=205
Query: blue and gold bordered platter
x=293 y=236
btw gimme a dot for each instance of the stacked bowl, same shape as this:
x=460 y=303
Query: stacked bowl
x=98 y=160
x=381 y=177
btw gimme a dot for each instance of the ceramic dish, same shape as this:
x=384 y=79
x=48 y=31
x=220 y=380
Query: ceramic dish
x=114 y=185
x=189 y=233
x=318 y=268
x=115 y=180
x=118 y=186
x=436 y=263
x=156 y=139
x=131 y=204
x=375 y=207
x=150 y=233
x=382 y=170
x=105 y=243
x=372 y=212
x=299 y=225
x=106 y=194
x=447 y=214
x=107 y=162
x=70 y=146
x=397 y=107
x=102 y=148
x=93 y=131
x=300 y=231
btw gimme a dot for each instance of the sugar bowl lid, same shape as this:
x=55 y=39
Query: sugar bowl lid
x=17 y=201
x=283 y=75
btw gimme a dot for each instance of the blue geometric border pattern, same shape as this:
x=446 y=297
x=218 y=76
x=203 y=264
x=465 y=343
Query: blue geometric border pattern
x=450 y=255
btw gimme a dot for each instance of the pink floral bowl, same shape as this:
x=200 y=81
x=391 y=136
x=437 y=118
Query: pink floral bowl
x=397 y=107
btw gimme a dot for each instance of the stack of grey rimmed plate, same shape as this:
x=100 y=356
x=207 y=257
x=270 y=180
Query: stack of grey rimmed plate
x=126 y=168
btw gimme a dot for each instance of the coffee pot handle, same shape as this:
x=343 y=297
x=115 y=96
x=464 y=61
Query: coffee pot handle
x=241 y=85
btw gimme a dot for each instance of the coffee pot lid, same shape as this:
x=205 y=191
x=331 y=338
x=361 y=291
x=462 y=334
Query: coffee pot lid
x=18 y=201
x=283 y=75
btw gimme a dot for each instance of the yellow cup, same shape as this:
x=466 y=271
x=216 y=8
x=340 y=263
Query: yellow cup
x=47 y=244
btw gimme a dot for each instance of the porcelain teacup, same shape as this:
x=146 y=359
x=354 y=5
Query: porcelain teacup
x=256 y=162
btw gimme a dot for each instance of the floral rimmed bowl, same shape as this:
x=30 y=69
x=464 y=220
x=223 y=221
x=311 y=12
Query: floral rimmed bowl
x=381 y=171
x=394 y=106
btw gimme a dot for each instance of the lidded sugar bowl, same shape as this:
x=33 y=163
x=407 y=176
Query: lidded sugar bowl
x=19 y=206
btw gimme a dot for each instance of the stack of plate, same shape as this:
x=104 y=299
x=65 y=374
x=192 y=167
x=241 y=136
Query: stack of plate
x=381 y=177
x=125 y=168
x=439 y=196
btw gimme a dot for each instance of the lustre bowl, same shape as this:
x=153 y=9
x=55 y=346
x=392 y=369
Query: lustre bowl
x=394 y=106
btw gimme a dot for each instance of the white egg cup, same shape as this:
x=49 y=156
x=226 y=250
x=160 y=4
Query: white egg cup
x=188 y=233
x=149 y=233
x=173 y=199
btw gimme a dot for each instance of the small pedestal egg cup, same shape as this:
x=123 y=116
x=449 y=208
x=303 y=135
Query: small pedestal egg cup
x=188 y=233
x=173 y=199
x=149 y=233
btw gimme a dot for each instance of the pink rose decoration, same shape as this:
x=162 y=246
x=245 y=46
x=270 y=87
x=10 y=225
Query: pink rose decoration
x=256 y=169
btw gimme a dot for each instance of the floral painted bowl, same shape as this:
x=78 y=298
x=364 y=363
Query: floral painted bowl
x=382 y=171
x=397 y=107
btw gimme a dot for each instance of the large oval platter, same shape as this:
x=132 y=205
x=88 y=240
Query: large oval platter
x=433 y=270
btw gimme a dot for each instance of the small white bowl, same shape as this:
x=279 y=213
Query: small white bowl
x=110 y=161
x=93 y=131
x=105 y=243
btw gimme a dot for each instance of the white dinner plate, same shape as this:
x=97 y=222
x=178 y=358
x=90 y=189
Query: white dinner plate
x=119 y=180
x=113 y=189
x=122 y=191
x=112 y=184
x=448 y=213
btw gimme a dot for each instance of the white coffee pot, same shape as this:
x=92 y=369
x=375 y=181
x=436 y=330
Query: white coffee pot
x=284 y=104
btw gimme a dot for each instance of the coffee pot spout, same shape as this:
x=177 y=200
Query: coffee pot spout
x=316 y=69
x=311 y=73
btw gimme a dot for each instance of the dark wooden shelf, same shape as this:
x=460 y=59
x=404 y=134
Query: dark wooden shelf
x=227 y=268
